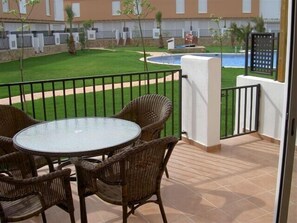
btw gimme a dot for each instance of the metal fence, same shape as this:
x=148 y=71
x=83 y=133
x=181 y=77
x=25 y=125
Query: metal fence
x=4 y=43
x=25 y=41
x=64 y=38
x=239 y=110
x=49 y=40
x=94 y=96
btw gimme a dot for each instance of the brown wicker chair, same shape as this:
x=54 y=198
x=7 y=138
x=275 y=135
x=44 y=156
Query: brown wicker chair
x=13 y=120
x=150 y=112
x=23 y=196
x=129 y=178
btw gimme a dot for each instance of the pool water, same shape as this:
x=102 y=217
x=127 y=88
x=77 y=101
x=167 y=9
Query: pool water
x=235 y=60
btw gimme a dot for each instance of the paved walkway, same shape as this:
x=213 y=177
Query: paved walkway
x=80 y=90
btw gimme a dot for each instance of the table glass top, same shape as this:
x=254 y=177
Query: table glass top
x=78 y=135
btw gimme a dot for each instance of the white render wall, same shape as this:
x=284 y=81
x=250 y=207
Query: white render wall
x=201 y=97
x=271 y=104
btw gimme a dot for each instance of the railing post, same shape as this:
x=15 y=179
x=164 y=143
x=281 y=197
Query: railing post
x=201 y=98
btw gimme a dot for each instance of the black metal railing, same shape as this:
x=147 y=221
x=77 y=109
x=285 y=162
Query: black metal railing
x=102 y=95
x=239 y=110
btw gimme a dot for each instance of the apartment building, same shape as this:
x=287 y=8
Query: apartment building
x=179 y=16
x=46 y=16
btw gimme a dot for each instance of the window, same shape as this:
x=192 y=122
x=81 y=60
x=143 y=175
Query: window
x=202 y=6
x=116 y=7
x=5 y=6
x=180 y=6
x=137 y=9
x=246 y=6
x=47 y=7
x=58 y=10
x=22 y=4
x=76 y=9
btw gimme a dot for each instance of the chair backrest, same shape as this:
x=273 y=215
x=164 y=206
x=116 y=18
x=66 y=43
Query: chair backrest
x=13 y=120
x=142 y=167
x=146 y=110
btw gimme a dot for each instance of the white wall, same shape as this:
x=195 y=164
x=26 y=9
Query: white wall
x=201 y=97
x=271 y=104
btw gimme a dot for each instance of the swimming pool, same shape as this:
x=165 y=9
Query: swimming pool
x=234 y=60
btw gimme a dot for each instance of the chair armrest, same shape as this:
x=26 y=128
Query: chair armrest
x=10 y=198
x=107 y=171
x=6 y=145
x=152 y=131
x=39 y=183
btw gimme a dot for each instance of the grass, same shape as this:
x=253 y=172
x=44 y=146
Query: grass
x=90 y=63
x=84 y=63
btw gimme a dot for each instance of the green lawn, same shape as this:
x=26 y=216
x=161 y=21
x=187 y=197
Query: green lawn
x=89 y=63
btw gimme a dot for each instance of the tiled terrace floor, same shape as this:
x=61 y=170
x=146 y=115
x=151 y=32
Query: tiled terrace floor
x=236 y=184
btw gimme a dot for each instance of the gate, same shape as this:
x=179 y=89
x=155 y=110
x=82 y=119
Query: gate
x=239 y=110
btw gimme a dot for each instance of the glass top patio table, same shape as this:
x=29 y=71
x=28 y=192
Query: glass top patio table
x=77 y=137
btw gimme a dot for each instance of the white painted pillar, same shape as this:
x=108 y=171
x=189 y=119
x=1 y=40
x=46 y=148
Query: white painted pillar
x=201 y=101
x=12 y=41
x=40 y=37
x=57 y=38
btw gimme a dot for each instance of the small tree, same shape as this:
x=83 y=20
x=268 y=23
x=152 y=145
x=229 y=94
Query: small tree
x=23 y=19
x=218 y=34
x=83 y=39
x=138 y=9
x=158 y=17
x=70 y=17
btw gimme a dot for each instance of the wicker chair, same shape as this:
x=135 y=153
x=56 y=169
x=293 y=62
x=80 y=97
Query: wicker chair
x=23 y=196
x=129 y=178
x=13 y=120
x=150 y=112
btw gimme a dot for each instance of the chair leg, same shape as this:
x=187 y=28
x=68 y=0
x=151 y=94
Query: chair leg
x=43 y=217
x=125 y=213
x=83 y=211
x=159 y=200
x=72 y=219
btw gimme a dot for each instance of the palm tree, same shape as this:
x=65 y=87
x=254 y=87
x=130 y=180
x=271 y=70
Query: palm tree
x=233 y=33
x=70 y=16
x=259 y=24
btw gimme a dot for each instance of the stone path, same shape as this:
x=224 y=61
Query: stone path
x=80 y=90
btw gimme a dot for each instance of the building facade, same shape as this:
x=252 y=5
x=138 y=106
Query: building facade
x=46 y=16
x=179 y=16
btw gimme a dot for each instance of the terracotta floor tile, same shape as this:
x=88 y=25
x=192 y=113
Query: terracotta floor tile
x=233 y=185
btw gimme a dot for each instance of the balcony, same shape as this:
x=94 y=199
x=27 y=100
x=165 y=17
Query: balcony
x=235 y=184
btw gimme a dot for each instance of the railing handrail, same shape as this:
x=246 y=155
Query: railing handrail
x=87 y=77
